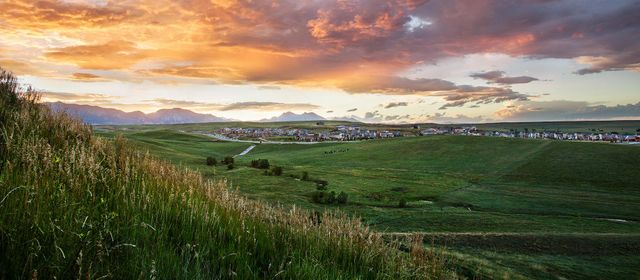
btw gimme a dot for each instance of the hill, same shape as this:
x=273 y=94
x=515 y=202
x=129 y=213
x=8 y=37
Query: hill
x=78 y=206
x=98 y=115
x=504 y=208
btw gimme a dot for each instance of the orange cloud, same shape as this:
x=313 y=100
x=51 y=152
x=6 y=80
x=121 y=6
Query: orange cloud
x=355 y=45
x=111 y=55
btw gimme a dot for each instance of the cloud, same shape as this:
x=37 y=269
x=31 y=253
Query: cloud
x=396 y=104
x=111 y=55
x=86 y=98
x=567 y=110
x=268 y=106
x=257 y=106
x=334 y=43
x=458 y=118
x=352 y=110
x=87 y=77
x=330 y=111
x=499 y=77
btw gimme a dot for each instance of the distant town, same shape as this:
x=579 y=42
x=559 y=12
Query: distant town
x=355 y=133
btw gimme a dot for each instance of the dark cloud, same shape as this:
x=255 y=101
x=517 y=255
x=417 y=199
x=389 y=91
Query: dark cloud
x=396 y=104
x=458 y=118
x=499 y=77
x=567 y=110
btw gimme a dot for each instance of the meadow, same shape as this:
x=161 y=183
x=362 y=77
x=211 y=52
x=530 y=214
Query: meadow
x=526 y=208
x=77 y=206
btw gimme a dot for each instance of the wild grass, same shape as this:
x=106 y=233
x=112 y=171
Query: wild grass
x=73 y=205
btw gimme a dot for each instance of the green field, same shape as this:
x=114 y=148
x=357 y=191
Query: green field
x=452 y=185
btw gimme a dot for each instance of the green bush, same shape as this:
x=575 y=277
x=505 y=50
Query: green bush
x=402 y=203
x=260 y=163
x=228 y=160
x=211 y=161
x=230 y=166
x=342 y=198
x=305 y=176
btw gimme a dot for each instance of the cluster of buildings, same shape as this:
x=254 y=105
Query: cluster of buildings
x=556 y=135
x=340 y=133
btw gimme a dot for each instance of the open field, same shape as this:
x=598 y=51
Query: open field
x=452 y=184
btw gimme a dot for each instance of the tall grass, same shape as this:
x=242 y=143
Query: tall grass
x=75 y=206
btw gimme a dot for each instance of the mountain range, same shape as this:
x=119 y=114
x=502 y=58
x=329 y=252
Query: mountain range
x=99 y=115
x=107 y=116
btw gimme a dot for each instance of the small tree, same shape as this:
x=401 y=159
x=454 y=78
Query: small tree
x=321 y=187
x=305 y=176
x=230 y=166
x=211 y=161
x=342 y=198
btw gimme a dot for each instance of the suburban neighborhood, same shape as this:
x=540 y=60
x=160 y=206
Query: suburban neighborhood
x=355 y=132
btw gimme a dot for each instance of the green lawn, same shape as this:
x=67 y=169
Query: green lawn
x=453 y=184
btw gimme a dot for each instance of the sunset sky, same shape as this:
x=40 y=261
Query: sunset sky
x=381 y=61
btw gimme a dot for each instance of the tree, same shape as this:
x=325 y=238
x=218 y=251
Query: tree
x=211 y=161
x=305 y=176
x=230 y=166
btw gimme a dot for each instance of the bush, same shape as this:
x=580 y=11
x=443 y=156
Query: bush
x=323 y=197
x=402 y=203
x=260 y=163
x=305 y=176
x=274 y=171
x=227 y=160
x=321 y=187
x=342 y=198
x=230 y=166
x=211 y=161
x=323 y=183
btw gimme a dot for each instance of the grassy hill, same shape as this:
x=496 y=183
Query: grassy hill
x=73 y=205
x=523 y=208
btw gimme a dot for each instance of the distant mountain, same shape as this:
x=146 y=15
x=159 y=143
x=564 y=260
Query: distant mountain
x=99 y=115
x=351 y=118
x=293 y=117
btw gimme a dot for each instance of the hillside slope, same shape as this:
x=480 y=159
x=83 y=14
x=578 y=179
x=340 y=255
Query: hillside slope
x=76 y=206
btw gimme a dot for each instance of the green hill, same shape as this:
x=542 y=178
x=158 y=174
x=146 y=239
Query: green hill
x=73 y=205
x=523 y=208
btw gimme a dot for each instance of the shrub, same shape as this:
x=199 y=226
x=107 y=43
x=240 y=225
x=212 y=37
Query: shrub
x=230 y=166
x=305 y=176
x=260 y=163
x=211 y=161
x=321 y=187
x=227 y=160
x=276 y=170
x=342 y=198
x=323 y=183
x=402 y=203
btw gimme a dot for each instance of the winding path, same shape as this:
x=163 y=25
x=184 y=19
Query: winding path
x=245 y=151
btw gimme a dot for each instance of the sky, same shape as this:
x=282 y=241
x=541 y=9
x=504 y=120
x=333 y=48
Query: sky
x=397 y=61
